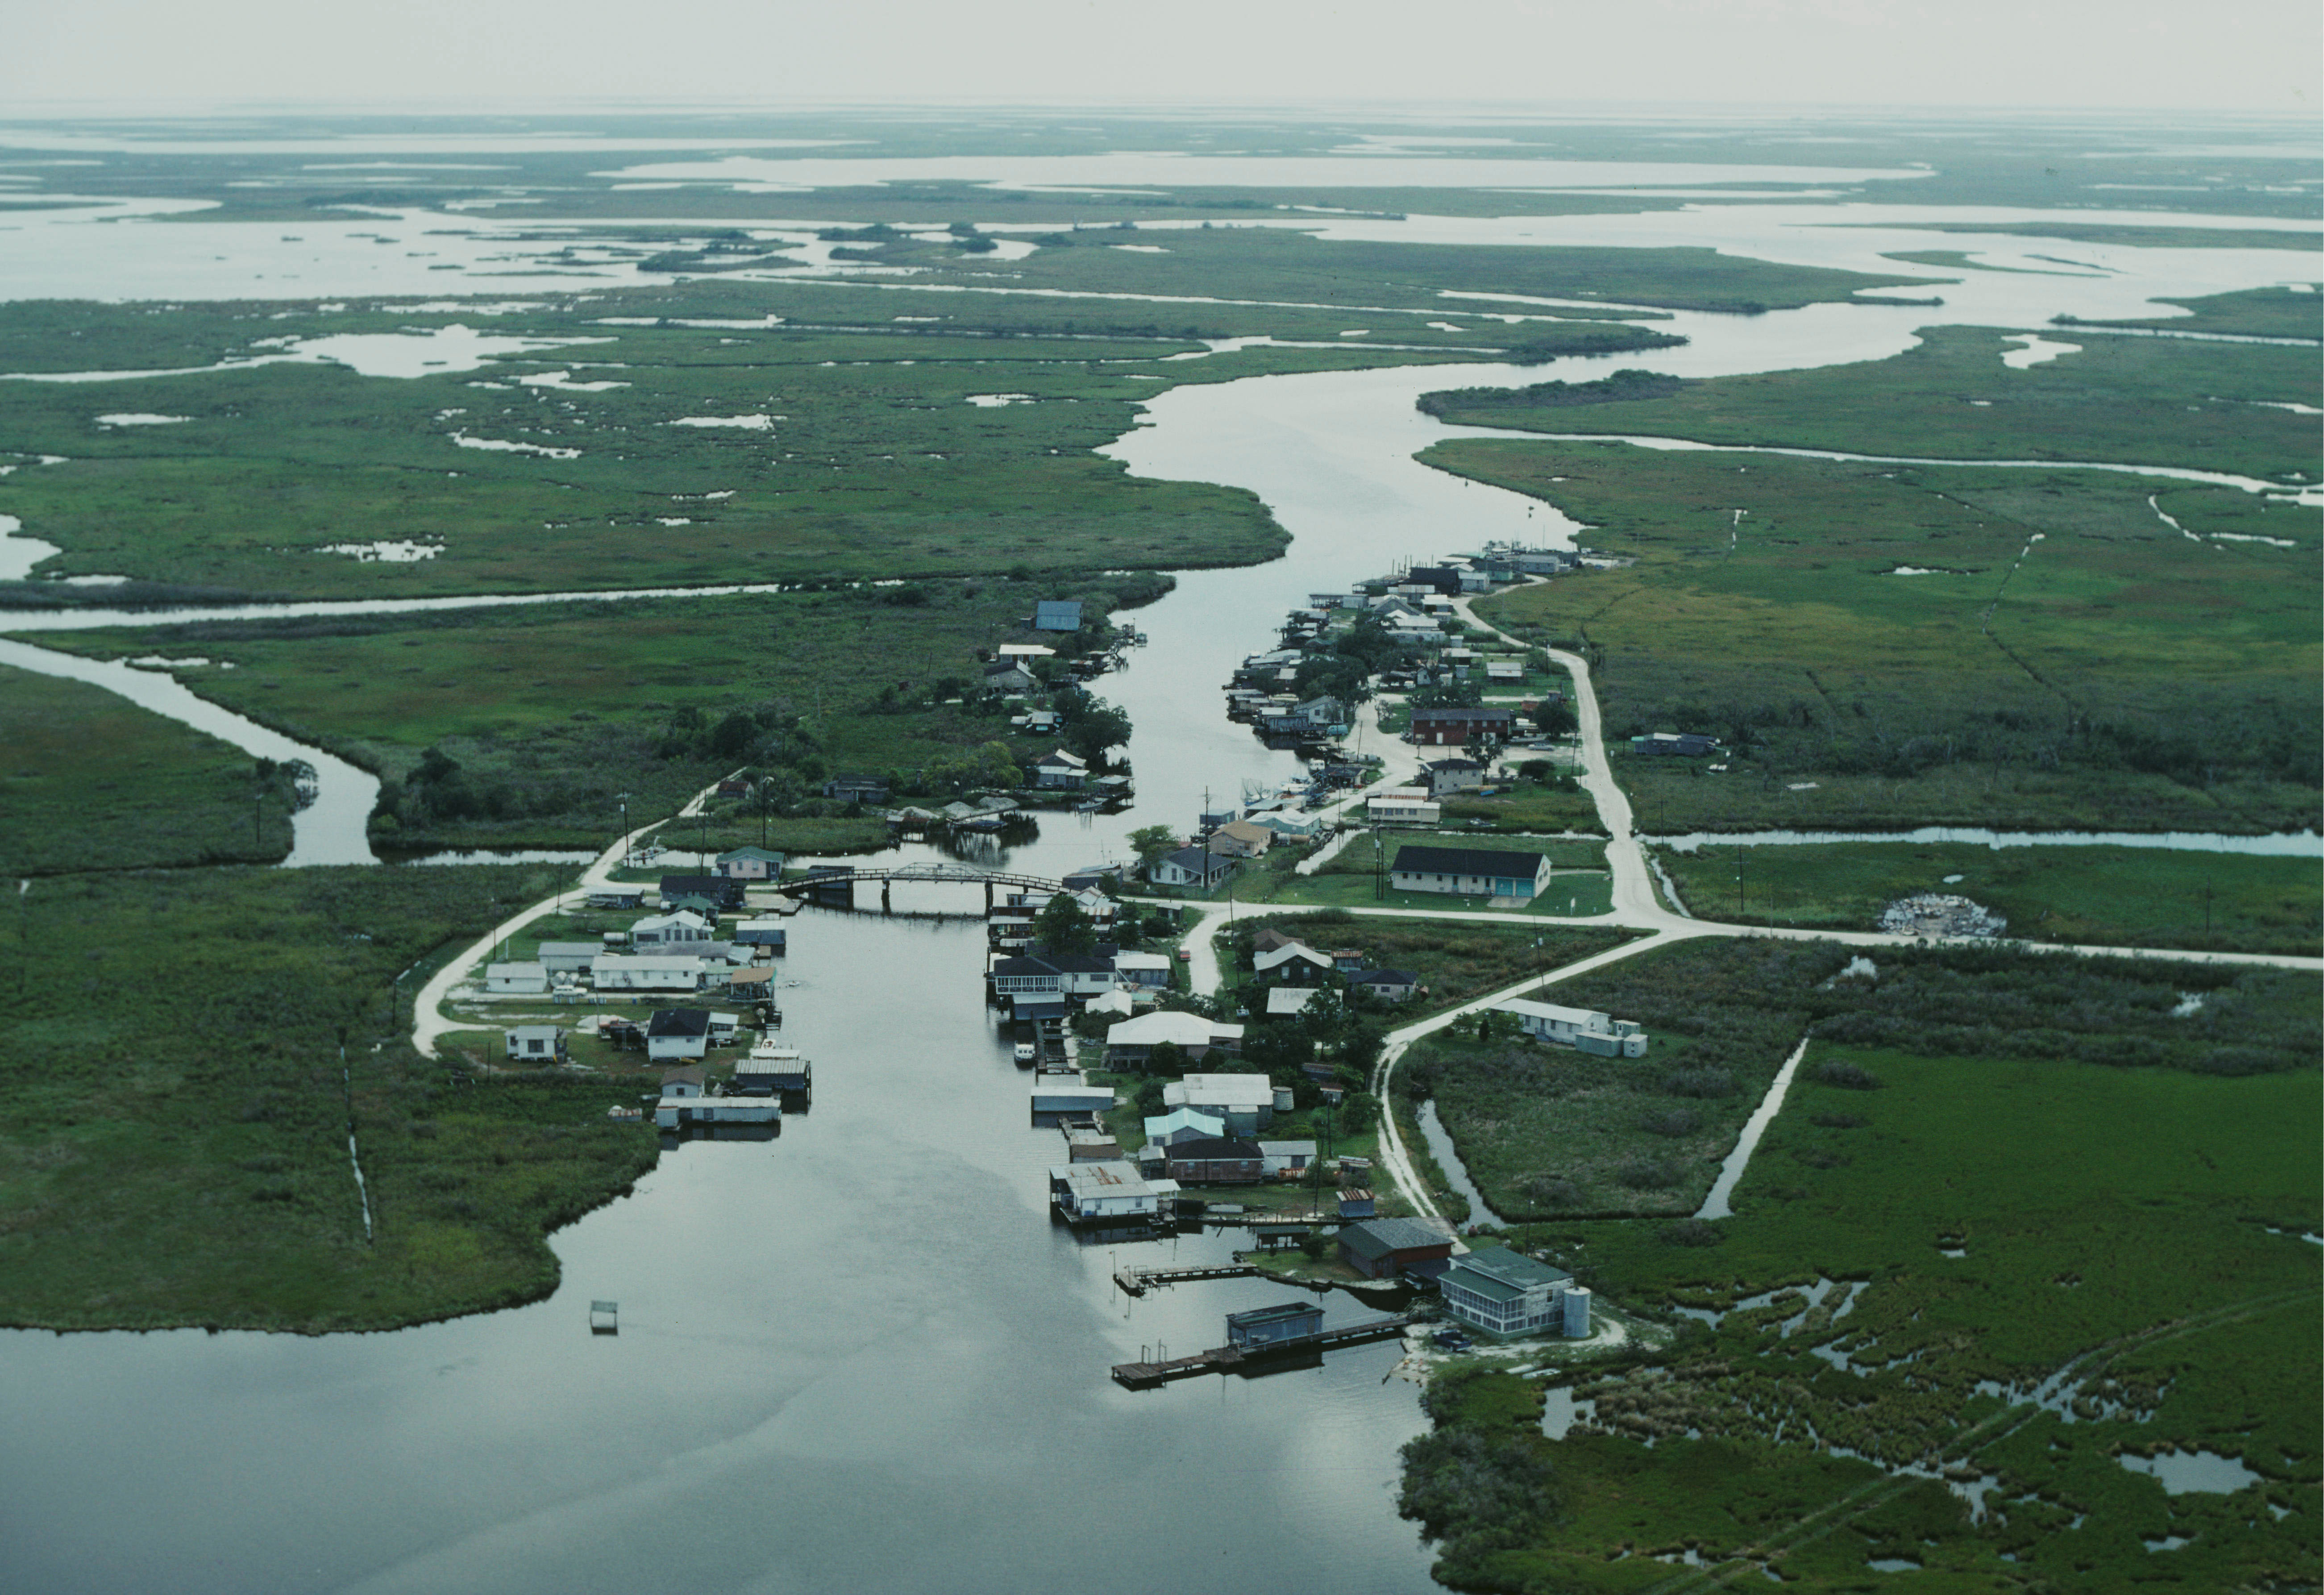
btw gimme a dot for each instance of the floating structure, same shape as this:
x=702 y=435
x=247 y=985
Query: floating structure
x=605 y=1317
x=678 y=1112
x=1137 y=1282
x=772 y=1068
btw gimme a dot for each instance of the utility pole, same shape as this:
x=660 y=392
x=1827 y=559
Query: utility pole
x=1738 y=883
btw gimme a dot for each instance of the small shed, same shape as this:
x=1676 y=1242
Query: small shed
x=684 y=1082
x=1268 y=1327
x=1356 y=1202
x=538 y=1043
x=771 y=934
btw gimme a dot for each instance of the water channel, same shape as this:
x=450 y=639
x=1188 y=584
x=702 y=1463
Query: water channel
x=857 y=1357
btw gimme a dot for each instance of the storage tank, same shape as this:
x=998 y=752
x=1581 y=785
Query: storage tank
x=1577 y=1312
x=1283 y=1099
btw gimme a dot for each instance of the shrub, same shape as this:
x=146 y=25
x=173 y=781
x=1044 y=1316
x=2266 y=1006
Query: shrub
x=1699 y=1083
x=1839 y=1121
x=1692 y=1232
x=1649 y=1174
x=1847 y=1076
x=1672 y=1122
x=1550 y=1190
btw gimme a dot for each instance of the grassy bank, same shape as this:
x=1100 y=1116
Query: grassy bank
x=175 y=1144
x=2063 y=658
x=94 y=782
x=2130 y=897
x=2122 y=399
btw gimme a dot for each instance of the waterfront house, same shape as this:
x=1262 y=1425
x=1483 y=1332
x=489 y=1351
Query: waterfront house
x=1503 y=1293
x=1087 y=1193
x=518 y=979
x=1292 y=963
x=1389 y=985
x=1038 y=972
x=722 y=893
x=1582 y=1029
x=669 y=930
x=772 y=935
x=1241 y=839
x=1245 y=1102
x=1130 y=1044
x=1402 y=806
x=652 y=971
x=687 y=1080
x=1449 y=776
x=750 y=863
x=674 y=1113
x=770 y=1068
x=677 y=1033
x=1225 y=1161
x=1190 y=866
x=859 y=788
x=535 y=1043
x=1470 y=872
x=1057 y=614
x=1267 y=1326
x=1295 y=827
x=754 y=985
x=566 y=957
x=1390 y=1249
x=1093 y=877
x=1453 y=728
x=1436 y=578
x=1061 y=771
x=1070 y=1092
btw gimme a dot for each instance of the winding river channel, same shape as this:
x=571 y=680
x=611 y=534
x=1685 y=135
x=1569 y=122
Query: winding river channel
x=859 y=1357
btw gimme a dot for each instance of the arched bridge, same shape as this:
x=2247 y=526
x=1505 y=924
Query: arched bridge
x=823 y=883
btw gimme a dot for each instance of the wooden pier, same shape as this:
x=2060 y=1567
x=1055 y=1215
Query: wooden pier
x=1148 y=1376
x=1137 y=1281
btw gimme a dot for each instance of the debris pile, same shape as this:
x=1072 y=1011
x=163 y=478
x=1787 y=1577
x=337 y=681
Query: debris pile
x=1935 y=913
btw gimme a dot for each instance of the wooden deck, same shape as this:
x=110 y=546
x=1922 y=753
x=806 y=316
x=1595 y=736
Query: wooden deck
x=1147 y=1375
x=1136 y=1281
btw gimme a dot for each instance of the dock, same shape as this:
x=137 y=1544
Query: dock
x=1148 y=1376
x=1137 y=1281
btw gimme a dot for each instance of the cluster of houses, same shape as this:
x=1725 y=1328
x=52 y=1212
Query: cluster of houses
x=1292 y=970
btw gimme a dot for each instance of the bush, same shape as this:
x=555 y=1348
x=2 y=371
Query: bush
x=1839 y=1121
x=1692 y=1232
x=1699 y=1083
x=1847 y=1076
x=1650 y=1174
x=1550 y=1190
x=1672 y=1122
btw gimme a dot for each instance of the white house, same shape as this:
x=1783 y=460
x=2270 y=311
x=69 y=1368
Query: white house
x=1582 y=1029
x=1403 y=805
x=1470 y=872
x=1183 y=1124
x=675 y=1034
x=662 y=930
x=1245 y=1102
x=1190 y=866
x=646 y=971
x=1087 y=1192
x=1130 y=1044
x=1282 y=1002
x=1504 y=1293
x=528 y=979
x=1151 y=970
x=1038 y=974
x=567 y=957
x=750 y=864
x=1286 y=1157
x=537 y=1043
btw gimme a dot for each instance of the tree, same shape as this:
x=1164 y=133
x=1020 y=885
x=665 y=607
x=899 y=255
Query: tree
x=1556 y=719
x=1168 y=1057
x=1063 y=925
x=1152 y=843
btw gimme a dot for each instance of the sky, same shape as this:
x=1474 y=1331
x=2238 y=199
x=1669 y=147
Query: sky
x=169 y=56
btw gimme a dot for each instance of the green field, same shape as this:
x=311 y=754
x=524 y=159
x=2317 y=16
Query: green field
x=2120 y=400
x=93 y=782
x=1543 y=1130
x=2050 y=1175
x=175 y=1148
x=552 y=711
x=2068 y=659
x=2254 y=312
x=2123 y=897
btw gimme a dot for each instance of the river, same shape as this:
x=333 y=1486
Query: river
x=859 y=1357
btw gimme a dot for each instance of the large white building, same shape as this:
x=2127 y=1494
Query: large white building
x=1087 y=1192
x=1582 y=1029
x=1246 y=1103
x=1503 y=1293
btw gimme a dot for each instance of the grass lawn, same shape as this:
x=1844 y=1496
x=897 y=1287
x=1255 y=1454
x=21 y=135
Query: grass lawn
x=175 y=1149
x=94 y=782
x=2067 y=658
x=2109 y=896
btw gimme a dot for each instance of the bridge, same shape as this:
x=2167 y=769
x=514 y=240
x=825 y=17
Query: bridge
x=841 y=882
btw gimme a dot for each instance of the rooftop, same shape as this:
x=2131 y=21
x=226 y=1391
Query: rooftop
x=1467 y=860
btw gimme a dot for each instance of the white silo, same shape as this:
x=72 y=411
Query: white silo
x=1577 y=1312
